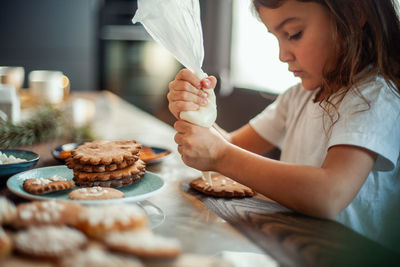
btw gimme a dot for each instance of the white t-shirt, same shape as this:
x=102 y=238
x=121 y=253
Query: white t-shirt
x=295 y=124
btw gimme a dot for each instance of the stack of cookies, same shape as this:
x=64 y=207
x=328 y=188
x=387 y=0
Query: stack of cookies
x=106 y=163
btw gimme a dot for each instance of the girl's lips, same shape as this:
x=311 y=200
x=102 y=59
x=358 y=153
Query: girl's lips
x=297 y=73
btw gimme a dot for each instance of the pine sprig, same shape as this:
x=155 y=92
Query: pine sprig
x=46 y=124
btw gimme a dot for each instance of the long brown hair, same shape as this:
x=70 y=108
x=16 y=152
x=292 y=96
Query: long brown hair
x=375 y=43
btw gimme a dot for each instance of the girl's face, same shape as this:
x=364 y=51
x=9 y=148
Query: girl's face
x=305 y=36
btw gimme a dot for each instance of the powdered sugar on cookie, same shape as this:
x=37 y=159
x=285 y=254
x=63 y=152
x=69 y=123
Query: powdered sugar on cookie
x=99 y=220
x=143 y=244
x=46 y=213
x=48 y=180
x=111 y=214
x=8 y=211
x=95 y=257
x=46 y=185
x=143 y=240
x=49 y=241
x=94 y=193
x=50 y=211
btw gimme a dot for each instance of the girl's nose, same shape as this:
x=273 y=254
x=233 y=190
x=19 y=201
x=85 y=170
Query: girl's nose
x=285 y=55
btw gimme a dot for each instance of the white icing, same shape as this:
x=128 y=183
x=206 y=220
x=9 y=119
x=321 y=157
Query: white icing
x=42 y=181
x=26 y=214
x=93 y=191
x=109 y=214
x=95 y=257
x=206 y=176
x=4 y=159
x=44 y=217
x=46 y=211
x=49 y=240
x=48 y=180
x=7 y=209
x=223 y=182
x=142 y=240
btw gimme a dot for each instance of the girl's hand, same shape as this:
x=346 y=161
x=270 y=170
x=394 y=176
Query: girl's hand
x=185 y=92
x=200 y=147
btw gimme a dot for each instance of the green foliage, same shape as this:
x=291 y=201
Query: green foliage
x=46 y=124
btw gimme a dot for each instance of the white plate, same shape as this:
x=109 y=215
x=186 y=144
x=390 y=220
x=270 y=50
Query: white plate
x=148 y=186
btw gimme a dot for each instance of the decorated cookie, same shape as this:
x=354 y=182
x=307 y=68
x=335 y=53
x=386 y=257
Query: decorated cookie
x=135 y=169
x=105 y=152
x=45 y=185
x=5 y=244
x=94 y=193
x=95 y=221
x=8 y=212
x=49 y=242
x=52 y=212
x=96 y=257
x=143 y=244
x=221 y=186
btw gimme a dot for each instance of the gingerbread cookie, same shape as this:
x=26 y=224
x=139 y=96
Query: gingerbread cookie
x=95 y=221
x=52 y=212
x=96 y=257
x=221 y=186
x=39 y=186
x=77 y=166
x=95 y=193
x=8 y=211
x=49 y=242
x=105 y=152
x=143 y=244
x=135 y=169
x=113 y=182
x=5 y=244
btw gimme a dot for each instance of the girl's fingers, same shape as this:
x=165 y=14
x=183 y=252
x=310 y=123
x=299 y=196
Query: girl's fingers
x=189 y=76
x=182 y=126
x=184 y=91
x=180 y=85
x=209 y=83
x=177 y=107
x=183 y=96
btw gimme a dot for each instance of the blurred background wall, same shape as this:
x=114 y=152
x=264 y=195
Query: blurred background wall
x=95 y=44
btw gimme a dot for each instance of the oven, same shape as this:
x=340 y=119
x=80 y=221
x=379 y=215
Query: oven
x=138 y=69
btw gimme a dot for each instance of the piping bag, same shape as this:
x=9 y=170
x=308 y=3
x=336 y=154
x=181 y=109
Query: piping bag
x=176 y=25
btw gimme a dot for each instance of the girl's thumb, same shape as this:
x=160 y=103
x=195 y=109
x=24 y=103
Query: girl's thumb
x=209 y=83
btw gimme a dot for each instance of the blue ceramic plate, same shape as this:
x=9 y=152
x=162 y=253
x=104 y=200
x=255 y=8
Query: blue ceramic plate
x=158 y=150
x=10 y=169
x=66 y=147
x=149 y=185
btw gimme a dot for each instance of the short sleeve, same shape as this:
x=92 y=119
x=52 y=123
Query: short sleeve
x=372 y=122
x=270 y=123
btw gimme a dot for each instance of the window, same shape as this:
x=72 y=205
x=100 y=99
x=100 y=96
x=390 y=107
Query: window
x=255 y=54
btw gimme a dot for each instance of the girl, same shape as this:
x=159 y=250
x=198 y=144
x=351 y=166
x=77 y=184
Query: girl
x=339 y=130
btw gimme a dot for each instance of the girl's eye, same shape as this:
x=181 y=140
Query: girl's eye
x=295 y=36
